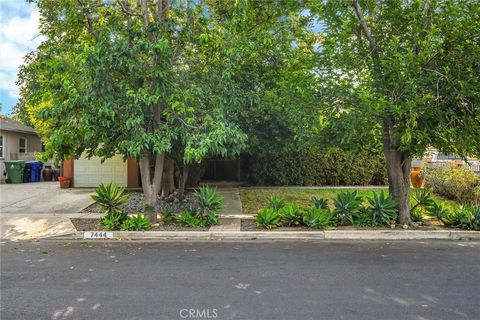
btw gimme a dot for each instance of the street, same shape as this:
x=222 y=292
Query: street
x=246 y=280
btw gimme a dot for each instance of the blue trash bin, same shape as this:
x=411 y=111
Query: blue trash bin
x=35 y=170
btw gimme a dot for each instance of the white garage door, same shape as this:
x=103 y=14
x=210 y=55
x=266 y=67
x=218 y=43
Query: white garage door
x=91 y=172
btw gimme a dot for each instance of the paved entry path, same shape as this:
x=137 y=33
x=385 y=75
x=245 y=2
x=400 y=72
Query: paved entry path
x=232 y=210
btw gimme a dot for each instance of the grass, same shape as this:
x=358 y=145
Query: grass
x=254 y=199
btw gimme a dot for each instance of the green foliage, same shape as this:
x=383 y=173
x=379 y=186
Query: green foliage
x=416 y=215
x=136 y=223
x=312 y=166
x=114 y=220
x=291 y=215
x=167 y=217
x=318 y=218
x=383 y=209
x=110 y=197
x=347 y=204
x=439 y=211
x=267 y=218
x=423 y=199
x=187 y=219
x=211 y=219
x=320 y=203
x=457 y=184
x=190 y=218
x=148 y=208
x=363 y=218
x=276 y=203
x=208 y=201
x=465 y=217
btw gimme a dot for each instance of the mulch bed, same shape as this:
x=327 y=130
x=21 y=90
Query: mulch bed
x=90 y=224
x=136 y=203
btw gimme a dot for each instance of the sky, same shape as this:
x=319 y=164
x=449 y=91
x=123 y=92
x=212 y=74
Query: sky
x=18 y=36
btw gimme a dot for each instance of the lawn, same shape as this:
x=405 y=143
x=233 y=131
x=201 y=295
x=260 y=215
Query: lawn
x=255 y=198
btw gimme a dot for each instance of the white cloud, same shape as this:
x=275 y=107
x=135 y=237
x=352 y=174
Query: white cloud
x=18 y=36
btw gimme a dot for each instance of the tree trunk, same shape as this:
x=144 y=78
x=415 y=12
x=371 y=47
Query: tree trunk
x=182 y=182
x=398 y=170
x=151 y=184
x=168 y=180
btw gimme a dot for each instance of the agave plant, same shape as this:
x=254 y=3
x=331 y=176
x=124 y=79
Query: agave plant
x=208 y=201
x=291 y=215
x=346 y=205
x=423 y=199
x=267 y=218
x=440 y=212
x=383 y=209
x=320 y=203
x=138 y=222
x=318 y=218
x=276 y=203
x=110 y=197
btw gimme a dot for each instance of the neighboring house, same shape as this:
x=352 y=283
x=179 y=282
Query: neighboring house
x=17 y=142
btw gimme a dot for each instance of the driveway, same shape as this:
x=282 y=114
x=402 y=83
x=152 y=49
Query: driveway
x=42 y=198
x=34 y=210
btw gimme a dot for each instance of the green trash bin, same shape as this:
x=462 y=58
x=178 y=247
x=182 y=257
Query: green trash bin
x=15 y=170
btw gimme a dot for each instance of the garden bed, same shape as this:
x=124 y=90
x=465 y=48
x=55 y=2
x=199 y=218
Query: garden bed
x=136 y=202
x=93 y=224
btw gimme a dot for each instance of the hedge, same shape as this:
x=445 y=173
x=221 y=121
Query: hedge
x=318 y=167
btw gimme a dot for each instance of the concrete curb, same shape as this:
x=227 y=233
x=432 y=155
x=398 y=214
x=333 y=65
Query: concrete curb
x=284 y=235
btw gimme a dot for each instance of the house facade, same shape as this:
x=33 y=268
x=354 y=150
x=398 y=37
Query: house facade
x=17 y=142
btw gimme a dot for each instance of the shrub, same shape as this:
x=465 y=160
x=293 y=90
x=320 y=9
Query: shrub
x=466 y=217
x=187 y=219
x=457 y=184
x=363 y=218
x=320 y=203
x=383 y=209
x=208 y=201
x=167 y=217
x=190 y=218
x=315 y=166
x=110 y=197
x=416 y=215
x=276 y=203
x=318 y=218
x=114 y=221
x=267 y=218
x=423 y=199
x=291 y=215
x=138 y=222
x=347 y=203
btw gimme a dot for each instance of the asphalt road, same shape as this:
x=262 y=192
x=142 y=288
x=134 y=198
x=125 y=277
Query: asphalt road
x=248 y=280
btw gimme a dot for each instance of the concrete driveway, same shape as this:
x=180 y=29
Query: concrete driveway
x=34 y=210
x=42 y=198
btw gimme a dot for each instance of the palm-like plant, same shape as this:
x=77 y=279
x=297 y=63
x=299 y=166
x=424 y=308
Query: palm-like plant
x=208 y=201
x=276 y=203
x=318 y=218
x=267 y=218
x=383 y=209
x=291 y=215
x=320 y=203
x=110 y=197
x=346 y=205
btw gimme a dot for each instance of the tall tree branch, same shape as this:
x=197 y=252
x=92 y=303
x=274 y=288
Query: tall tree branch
x=368 y=33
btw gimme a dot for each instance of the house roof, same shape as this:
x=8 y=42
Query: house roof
x=15 y=126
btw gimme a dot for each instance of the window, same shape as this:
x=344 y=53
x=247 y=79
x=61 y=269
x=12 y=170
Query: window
x=447 y=156
x=22 y=145
x=1 y=147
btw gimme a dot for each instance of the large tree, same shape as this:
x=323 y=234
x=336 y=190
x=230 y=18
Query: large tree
x=138 y=78
x=410 y=67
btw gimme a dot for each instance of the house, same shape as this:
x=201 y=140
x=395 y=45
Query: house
x=17 y=142
x=89 y=173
